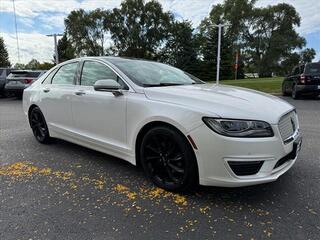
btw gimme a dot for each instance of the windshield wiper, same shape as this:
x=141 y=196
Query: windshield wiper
x=162 y=84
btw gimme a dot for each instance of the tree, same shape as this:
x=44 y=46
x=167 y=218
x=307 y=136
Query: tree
x=86 y=32
x=288 y=63
x=272 y=36
x=138 y=29
x=307 y=55
x=45 y=66
x=65 y=49
x=19 y=66
x=4 y=56
x=180 y=49
x=32 y=65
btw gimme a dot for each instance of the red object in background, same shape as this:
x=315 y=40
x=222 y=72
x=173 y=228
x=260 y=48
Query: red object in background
x=28 y=81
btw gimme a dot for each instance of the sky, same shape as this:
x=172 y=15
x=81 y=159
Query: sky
x=37 y=18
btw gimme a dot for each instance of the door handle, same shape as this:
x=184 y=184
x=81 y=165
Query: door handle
x=46 y=90
x=80 y=93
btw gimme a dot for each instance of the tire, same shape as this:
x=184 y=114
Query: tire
x=295 y=95
x=168 y=159
x=284 y=92
x=39 y=126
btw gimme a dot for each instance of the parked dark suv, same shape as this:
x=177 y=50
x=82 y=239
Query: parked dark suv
x=304 y=80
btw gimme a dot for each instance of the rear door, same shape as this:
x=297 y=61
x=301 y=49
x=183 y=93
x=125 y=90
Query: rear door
x=56 y=97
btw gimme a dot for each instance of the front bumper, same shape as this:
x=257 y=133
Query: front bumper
x=216 y=152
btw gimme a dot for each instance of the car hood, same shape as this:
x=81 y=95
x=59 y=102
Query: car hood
x=223 y=101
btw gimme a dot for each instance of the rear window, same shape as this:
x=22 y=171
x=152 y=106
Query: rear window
x=1 y=71
x=17 y=74
x=313 y=68
x=33 y=74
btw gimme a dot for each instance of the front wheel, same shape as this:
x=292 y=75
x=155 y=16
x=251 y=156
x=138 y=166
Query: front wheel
x=39 y=126
x=168 y=159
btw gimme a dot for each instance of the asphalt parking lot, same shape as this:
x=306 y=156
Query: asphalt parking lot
x=64 y=191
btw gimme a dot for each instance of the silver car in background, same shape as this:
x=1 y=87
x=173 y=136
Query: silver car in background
x=19 y=80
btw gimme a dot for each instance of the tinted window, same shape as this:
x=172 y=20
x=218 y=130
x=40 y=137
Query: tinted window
x=65 y=74
x=94 y=71
x=313 y=68
x=33 y=74
x=17 y=74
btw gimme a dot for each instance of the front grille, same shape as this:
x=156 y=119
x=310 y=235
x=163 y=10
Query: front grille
x=288 y=125
x=245 y=168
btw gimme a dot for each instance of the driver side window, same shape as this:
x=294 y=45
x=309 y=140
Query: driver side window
x=94 y=71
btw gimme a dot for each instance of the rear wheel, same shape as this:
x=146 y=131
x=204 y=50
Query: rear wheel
x=39 y=126
x=168 y=159
x=295 y=94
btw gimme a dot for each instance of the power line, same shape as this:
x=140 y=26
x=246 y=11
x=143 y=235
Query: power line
x=15 y=23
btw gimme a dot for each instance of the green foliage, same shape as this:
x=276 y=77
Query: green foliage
x=19 y=66
x=265 y=37
x=4 y=56
x=34 y=65
x=307 y=55
x=86 y=32
x=271 y=37
x=181 y=47
x=65 y=49
x=138 y=29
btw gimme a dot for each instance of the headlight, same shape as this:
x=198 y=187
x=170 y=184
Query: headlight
x=239 y=128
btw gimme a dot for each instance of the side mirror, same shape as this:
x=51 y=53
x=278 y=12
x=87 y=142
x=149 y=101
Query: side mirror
x=108 y=85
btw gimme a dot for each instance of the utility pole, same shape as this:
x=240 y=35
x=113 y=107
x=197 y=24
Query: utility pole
x=219 y=26
x=55 y=35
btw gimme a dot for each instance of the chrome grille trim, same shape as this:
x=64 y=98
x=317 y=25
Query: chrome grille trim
x=288 y=125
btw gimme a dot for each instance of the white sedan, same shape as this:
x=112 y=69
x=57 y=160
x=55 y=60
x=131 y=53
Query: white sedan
x=180 y=130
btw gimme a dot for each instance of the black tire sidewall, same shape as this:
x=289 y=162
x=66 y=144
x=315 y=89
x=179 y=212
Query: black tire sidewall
x=191 y=177
x=47 y=136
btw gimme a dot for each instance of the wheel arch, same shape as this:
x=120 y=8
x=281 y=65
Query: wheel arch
x=151 y=125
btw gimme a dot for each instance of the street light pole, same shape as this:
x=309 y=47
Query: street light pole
x=219 y=26
x=55 y=35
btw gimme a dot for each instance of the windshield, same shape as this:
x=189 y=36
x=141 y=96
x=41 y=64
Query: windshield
x=313 y=68
x=149 y=74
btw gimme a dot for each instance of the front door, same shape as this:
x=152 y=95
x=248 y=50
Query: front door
x=99 y=116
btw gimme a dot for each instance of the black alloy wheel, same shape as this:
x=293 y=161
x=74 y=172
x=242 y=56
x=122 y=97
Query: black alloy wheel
x=39 y=125
x=168 y=159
